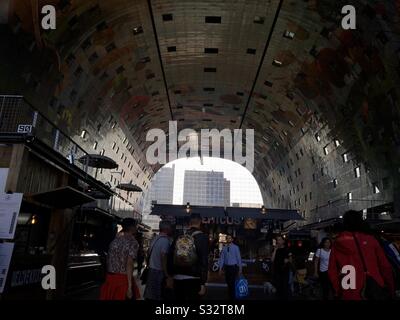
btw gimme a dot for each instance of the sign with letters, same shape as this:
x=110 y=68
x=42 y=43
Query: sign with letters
x=6 y=250
x=24 y=128
x=10 y=205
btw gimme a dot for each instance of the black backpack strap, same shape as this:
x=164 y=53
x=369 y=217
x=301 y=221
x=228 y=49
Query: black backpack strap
x=151 y=250
x=360 y=253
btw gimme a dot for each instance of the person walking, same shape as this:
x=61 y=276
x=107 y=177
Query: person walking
x=190 y=262
x=158 y=277
x=282 y=265
x=321 y=266
x=356 y=248
x=230 y=262
x=119 y=284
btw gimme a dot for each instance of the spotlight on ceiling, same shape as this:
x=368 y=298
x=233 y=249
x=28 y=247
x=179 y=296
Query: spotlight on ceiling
x=188 y=207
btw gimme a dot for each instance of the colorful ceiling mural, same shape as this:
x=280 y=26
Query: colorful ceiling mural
x=281 y=68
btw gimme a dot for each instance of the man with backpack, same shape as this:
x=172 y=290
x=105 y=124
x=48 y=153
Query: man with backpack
x=189 y=261
x=157 y=274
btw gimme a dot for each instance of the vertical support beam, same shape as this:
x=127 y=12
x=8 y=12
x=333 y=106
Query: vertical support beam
x=58 y=243
x=60 y=232
x=18 y=161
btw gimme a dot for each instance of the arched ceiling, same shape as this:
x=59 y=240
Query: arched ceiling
x=282 y=68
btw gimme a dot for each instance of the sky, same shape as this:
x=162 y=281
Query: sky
x=244 y=188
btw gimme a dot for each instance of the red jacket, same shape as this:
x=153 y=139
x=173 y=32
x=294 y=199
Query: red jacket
x=344 y=252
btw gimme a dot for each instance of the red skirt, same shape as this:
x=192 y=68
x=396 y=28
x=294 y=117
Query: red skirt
x=116 y=286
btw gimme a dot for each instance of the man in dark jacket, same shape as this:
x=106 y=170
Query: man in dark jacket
x=189 y=280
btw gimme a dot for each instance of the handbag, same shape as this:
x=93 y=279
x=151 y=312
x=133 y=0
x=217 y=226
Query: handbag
x=145 y=273
x=371 y=289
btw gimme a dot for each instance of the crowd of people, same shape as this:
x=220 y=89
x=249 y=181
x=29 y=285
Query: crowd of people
x=356 y=265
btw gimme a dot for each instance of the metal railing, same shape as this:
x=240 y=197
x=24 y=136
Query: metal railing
x=19 y=117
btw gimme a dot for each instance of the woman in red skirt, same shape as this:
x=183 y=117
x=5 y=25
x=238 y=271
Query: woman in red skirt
x=120 y=284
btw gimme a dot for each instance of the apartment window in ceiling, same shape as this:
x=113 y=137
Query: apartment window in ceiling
x=310 y=195
x=78 y=71
x=209 y=89
x=301 y=184
x=71 y=58
x=337 y=143
x=120 y=69
x=171 y=49
x=210 y=50
x=345 y=157
x=305 y=198
x=102 y=26
x=259 y=20
x=93 y=57
x=288 y=34
x=110 y=47
x=291 y=123
x=104 y=76
x=95 y=145
x=268 y=83
x=113 y=145
x=313 y=176
x=277 y=63
x=349 y=197
x=375 y=188
x=251 y=51
x=303 y=130
x=357 y=172
x=102 y=152
x=322 y=171
x=301 y=152
x=213 y=19
x=83 y=134
x=167 y=17
x=297 y=156
x=113 y=125
x=298 y=171
x=318 y=137
x=326 y=151
x=335 y=182
x=210 y=69
x=137 y=30
x=86 y=44
x=116 y=151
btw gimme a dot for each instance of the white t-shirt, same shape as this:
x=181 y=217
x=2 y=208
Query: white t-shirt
x=323 y=256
